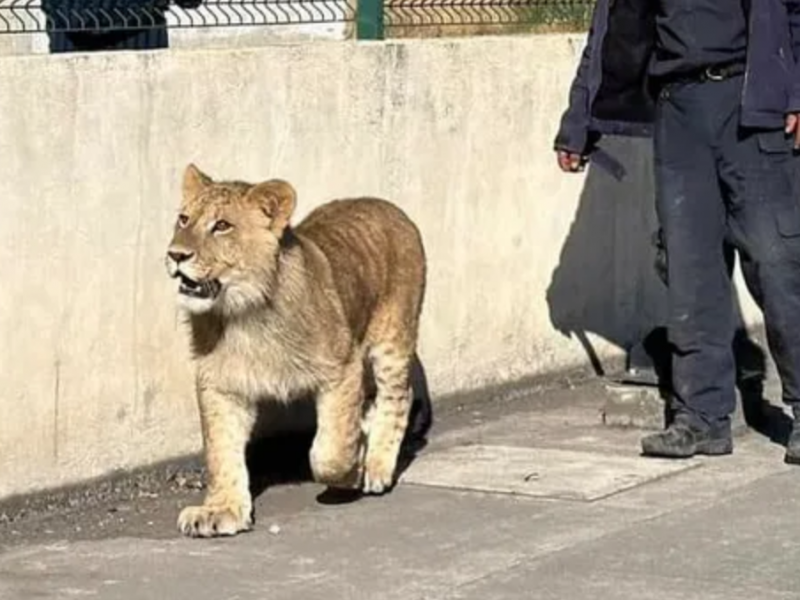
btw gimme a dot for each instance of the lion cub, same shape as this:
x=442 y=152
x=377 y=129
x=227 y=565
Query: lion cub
x=278 y=312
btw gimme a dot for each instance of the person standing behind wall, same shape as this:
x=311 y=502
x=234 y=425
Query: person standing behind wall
x=717 y=85
x=95 y=25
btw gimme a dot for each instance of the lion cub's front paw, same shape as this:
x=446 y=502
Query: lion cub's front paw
x=214 y=520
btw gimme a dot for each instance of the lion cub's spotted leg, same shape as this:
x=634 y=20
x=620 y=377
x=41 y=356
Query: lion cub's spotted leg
x=335 y=453
x=389 y=418
x=227 y=422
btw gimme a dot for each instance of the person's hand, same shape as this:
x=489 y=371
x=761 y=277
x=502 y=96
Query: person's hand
x=793 y=128
x=570 y=162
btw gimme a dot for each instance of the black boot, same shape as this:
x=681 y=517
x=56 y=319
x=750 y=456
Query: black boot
x=685 y=438
x=792 y=456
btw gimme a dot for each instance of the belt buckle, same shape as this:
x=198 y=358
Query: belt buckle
x=712 y=74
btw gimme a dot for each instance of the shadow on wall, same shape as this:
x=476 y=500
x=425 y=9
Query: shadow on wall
x=605 y=283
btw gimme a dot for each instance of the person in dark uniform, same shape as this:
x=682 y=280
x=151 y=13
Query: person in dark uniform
x=716 y=83
x=93 y=25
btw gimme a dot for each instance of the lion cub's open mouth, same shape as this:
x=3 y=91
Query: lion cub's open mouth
x=206 y=290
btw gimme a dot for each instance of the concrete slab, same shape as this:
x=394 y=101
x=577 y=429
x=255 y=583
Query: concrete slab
x=629 y=404
x=754 y=459
x=551 y=583
x=745 y=546
x=749 y=539
x=573 y=421
x=538 y=472
x=414 y=543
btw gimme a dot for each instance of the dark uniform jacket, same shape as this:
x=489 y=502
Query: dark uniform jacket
x=612 y=92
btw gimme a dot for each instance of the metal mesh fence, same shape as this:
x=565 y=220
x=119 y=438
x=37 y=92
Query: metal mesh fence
x=21 y=16
x=443 y=13
x=30 y=16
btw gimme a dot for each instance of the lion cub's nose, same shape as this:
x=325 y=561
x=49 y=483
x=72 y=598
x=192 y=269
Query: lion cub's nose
x=180 y=256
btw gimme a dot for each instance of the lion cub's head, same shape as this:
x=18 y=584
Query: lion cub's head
x=225 y=246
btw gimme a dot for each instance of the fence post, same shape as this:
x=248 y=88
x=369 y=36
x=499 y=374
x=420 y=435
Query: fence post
x=369 y=20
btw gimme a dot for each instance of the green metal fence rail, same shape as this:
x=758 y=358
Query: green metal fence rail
x=373 y=19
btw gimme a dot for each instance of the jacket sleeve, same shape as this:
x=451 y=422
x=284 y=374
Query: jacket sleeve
x=573 y=134
x=793 y=14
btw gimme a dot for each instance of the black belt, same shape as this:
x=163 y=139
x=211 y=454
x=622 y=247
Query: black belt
x=704 y=74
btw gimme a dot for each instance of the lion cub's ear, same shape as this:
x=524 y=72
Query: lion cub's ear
x=194 y=181
x=277 y=198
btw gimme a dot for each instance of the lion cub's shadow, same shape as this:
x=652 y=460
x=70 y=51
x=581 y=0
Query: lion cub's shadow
x=283 y=458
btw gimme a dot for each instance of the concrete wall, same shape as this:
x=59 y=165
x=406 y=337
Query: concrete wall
x=524 y=261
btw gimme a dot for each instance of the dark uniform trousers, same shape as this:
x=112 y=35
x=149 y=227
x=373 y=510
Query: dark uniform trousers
x=717 y=183
x=146 y=39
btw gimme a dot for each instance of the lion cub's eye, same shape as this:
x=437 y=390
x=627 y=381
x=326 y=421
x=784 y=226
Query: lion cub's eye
x=221 y=227
x=183 y=220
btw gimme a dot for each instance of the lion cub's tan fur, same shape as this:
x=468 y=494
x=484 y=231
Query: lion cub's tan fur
x=281 y=312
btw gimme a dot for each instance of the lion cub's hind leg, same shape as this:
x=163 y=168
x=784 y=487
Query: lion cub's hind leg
x=391 y=364
x=336 y=451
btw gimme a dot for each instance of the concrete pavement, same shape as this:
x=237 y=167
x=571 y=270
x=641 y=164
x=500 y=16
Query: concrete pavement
x=531 y=498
